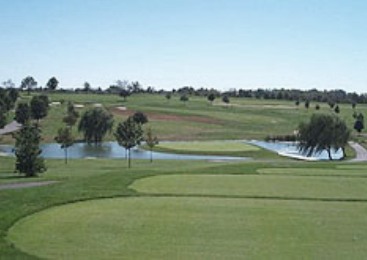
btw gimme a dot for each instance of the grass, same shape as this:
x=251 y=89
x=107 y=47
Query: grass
x=194 y=228
x=272 y=208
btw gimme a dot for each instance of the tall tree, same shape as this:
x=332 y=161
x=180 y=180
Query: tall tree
x=65 y=139
x=23 y=113
x=129 y=134
x=39 y=107
x=27 y=151
x=151 y=140
x=28 y=83
x=52 y=83
x=95 y=124
x=323 y=132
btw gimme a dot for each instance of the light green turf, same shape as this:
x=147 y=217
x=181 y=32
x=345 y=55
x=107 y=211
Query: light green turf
x=342 y=170
x=209 y=146
x=255 y=186
x=195 y=228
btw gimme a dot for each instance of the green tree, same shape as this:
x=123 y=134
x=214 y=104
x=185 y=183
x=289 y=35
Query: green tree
x=95 y=124
x=211 y=97
x=184 y=99
x=23 y=113
x=28 y=83
x=27 y=151
x=359 y=123
x=225 y=99
x=65 y=139
x=323 y=132
x=2 y=118
x=124 y=93
x=307 y=104
x=72 y=115
x=129 y=134
x=151 y=141
x=337 y=109
x=52 y=83
x=39 y=107
x=140 y=118
x=168 y=96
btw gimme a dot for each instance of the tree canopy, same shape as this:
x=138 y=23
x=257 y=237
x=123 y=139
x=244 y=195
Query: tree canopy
x=52 y=83
x=27 y=151
x=323 y=132
x=129 y=134
x=39 y=107
x=95 y=124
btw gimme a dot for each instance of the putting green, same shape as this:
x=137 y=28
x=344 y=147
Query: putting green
x=311 y=187
x=195 y=228
x=209 y=146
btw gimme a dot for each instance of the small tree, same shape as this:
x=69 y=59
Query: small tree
x=297 y=103
x=23 y=113
x=184 y=99
x=52 y=83
x=140 y=118
x=354 y=104
x=95 y=124
x=151 y=142
x=72 y=115
x=87 y=87
x=27 y=151
x=2 y=118
x=359 y=123
x=317 y=107
x=129 y=134
x=168 y=96
x=337 y=109
x=39 y=107
x=211 y=98
x=65 y=139
x=124 y=93
x=307 y=104
x=225 y=99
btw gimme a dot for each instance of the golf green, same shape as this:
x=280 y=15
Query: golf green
x=194 y=228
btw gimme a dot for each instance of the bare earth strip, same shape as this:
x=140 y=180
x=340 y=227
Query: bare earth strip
x=361 y=153
x=12 y=186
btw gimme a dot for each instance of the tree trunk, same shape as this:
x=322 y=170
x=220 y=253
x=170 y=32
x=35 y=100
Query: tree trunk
x=151 y=155
x=66 y=155
x=329 y=154
x=344 y=153
x=129 y=159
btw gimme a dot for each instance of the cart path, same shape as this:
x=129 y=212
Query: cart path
x=11 y=186
x=10 y=128
x=361 y=152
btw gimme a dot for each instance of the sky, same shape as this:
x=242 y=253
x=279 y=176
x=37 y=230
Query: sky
x=222 y=44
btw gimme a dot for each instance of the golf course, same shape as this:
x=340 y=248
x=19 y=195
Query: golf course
x=265 y=207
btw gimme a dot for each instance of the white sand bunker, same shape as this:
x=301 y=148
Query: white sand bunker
x=97 y=105
x=78 y=105
x=122 y=108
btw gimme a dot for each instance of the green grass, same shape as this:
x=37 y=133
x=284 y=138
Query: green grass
x=195 y=228
x=286 y=187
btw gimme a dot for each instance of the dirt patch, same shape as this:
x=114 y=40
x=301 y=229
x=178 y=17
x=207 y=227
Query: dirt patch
x=169 y=117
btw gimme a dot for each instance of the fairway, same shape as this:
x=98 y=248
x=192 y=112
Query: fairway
x=194 y=228
x=286 y=187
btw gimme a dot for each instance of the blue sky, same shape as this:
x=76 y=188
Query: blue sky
x=173 y=43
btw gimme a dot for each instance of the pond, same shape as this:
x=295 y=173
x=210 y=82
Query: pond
x=289 y=149
x=112 y=150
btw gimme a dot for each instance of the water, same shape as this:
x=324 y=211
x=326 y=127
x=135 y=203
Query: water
x=112 y=150
x=290 y=149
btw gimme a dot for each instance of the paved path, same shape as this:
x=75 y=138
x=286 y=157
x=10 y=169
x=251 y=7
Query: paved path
x=361 y=152
x=12 y=186
x=10 y=128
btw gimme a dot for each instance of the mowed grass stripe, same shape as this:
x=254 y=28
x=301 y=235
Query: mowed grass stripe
x=195 y=228
x=338 y=172
x=255 y=186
